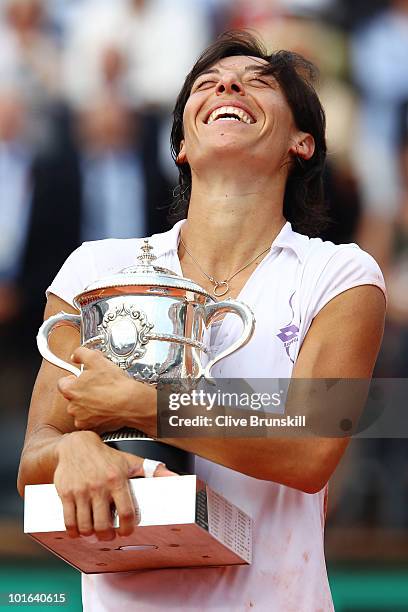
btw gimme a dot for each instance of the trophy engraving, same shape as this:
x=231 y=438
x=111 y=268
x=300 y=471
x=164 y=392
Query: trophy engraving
x=124 y=334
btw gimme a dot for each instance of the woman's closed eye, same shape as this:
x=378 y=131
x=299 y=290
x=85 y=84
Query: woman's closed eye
x=203 y=84
x=260 y=81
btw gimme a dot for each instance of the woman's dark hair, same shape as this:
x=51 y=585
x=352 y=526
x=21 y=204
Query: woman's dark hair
x=304 y=204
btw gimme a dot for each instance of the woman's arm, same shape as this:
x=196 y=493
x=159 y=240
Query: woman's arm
x=48 y=419
x=343 y=342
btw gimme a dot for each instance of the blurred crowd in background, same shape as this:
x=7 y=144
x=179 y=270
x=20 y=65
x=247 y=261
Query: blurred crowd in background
x=86 y=93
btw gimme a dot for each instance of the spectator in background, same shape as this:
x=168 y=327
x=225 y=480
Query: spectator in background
x=29 y=61
x=398 y=276
x=380 y=66
x=403 y=142
x=15 y=202
x=16 y=369
x=156 y=38
x=259 y=11
x=308 y=6
x=113 y=185
x=351 y=13
x=140 y=49
x=107 y=184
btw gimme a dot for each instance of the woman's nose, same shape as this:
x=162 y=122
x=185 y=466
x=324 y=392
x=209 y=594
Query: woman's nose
x=229 y=83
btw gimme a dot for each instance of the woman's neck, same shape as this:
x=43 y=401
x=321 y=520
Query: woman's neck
x=228 y=226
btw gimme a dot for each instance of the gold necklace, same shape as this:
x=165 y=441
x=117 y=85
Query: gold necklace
x=221 y=288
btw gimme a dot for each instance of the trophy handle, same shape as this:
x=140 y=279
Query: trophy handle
x=247 y=317
x=43 y=334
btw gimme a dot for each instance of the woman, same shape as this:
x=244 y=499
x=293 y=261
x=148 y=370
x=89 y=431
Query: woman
x=248 y=137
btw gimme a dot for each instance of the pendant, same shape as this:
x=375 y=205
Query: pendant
x=221 y=288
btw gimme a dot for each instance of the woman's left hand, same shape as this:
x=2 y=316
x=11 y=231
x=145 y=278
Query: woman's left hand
x=103 y=398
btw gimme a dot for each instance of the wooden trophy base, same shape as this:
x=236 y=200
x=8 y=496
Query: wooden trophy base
x=183 y=524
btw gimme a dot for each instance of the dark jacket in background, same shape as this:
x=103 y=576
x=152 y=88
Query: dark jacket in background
x=54 y=228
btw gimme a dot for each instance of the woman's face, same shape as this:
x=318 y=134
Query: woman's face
x=235 y=112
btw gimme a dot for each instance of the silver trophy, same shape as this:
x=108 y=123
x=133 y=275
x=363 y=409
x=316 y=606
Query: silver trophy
x=155 y=325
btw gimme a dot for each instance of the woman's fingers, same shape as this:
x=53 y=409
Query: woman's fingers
x=127 y=509
x=135 y=465
x=102 y=518
x=88 y=487
x=162 y=470
x=69 y=509
x=84 y=515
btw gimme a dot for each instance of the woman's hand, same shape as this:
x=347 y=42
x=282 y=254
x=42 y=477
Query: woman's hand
x=89 y=478
x=103 y=398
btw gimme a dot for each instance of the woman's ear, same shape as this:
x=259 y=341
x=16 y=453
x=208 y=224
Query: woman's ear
x=181 y=157
x=304 y=147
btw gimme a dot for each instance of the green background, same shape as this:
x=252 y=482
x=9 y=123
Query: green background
x=354 y=588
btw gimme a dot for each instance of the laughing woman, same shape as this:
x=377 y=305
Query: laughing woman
x=249 y=142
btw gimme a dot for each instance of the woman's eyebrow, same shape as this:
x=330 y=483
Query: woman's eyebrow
x=262 y=70
x=209 y=71
x=255 y=67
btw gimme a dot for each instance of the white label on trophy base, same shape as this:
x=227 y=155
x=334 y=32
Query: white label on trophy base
x=229 y=525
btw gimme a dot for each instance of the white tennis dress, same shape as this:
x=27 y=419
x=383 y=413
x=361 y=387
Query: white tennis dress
x=286 y=291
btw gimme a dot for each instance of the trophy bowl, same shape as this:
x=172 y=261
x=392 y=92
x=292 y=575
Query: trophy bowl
x=152 y=323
